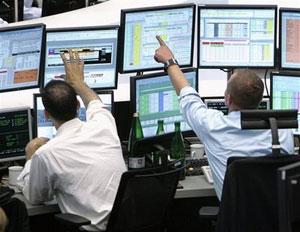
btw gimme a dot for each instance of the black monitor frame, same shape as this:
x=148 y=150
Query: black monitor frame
x=8 y=110
x=237 y=7
x=133 y=80
x=36 y=95
x=281 y=11
x=42 y=53
x=92 y=28
x=154 y=8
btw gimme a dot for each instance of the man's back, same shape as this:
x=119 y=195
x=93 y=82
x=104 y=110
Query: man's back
x=82 y=165
x=223 y=137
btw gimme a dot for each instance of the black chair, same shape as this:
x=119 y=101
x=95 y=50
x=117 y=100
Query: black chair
x=288 y=180
x=254 y=119
x=141 y=205
x=249 y=196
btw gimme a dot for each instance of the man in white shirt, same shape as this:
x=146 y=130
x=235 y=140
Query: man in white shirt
x=83 y=163
x=221 y=134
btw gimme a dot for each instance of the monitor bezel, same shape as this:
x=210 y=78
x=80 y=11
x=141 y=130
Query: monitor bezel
x=154 y=8
x=281 y=11
x=16 y=109
x=90 y=28
x=42 y=54
x=237 y=7
x=133 y=80
x=36 y=95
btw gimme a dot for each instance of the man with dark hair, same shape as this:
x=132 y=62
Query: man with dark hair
x=82 y=165
x=222 y=135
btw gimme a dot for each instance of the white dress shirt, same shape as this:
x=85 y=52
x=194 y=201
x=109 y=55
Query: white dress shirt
x=81 y=166
x=223 y=137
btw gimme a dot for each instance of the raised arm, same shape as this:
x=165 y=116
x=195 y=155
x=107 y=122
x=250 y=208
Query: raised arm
x=162 y=55
x=75 y=76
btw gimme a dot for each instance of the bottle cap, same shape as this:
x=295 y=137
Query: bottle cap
x=136 y=114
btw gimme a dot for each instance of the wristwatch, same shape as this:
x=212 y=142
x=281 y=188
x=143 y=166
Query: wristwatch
x=170 y=62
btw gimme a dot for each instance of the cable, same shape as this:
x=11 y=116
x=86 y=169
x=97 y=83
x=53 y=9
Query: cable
x=265 y=80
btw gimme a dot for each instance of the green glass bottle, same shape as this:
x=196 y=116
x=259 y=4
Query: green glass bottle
x=178 y=149
x=135 y=160
x=160 y=130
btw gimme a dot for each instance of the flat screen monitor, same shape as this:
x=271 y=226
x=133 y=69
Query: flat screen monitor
x=15 y=133
x=218 y=103
x=289 y=42
x=97 y=46
x=154 y=97
x=237 y=36
x=51 y=7
x=175 y=24
x=21 y=57
x=285 y=93
x=45 y=128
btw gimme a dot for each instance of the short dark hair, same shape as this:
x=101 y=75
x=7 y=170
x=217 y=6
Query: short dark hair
x=60 y=100
x=246 y=89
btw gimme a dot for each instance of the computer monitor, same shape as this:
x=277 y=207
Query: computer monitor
x=175 y=24
x=218 y=103
x=154 y=97
x=15 y=133
x=289 y=43
x=97 y=46
x=44 y=127
x=22 y=57
x=51 y=7
x=285 y=93
x=233 y=36
x=288 y=182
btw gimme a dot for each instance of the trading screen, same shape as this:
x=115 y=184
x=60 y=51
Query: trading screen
x=15 y=133
x=156 y=100
x=285 y=92
x=237 y=37
x=218 y=103
x=290 y=40
x=175 y=26
x=20 y=56
x=45 y=128
x=97 y=48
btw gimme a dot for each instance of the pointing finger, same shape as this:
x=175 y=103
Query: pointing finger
x=160 y=40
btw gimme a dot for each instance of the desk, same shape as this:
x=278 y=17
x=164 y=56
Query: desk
x=193 y=186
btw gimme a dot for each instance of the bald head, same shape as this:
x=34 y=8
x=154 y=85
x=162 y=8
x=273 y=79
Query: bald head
x=245 y=89
x=59 y=100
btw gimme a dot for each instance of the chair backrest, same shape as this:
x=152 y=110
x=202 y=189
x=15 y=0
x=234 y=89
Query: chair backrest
x=289 y=197
x=249 y=197
x=142 y=201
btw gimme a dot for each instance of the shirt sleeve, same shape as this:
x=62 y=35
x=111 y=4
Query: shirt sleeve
x=195 y=112
x=97 y=112
x=35 y=181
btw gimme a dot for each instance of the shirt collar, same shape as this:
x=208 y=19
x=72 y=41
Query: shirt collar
x=68 y=126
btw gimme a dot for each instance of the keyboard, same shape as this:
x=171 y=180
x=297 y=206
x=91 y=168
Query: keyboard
x=193 y=166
